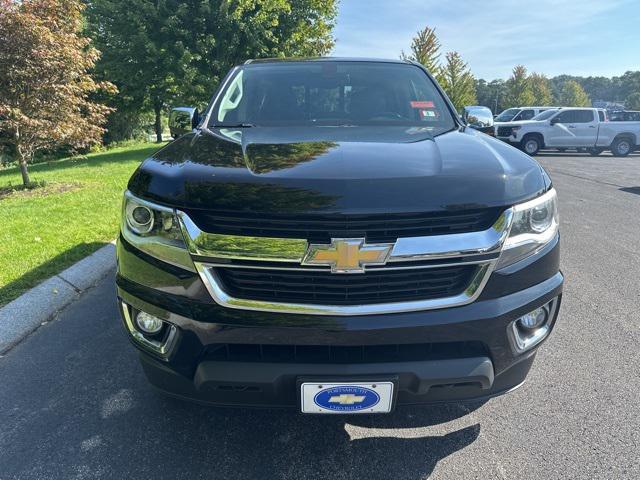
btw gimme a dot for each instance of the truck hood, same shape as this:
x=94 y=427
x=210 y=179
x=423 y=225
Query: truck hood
x=337 y=170
x=520 y=122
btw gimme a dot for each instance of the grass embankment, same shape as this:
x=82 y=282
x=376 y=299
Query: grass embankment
x=47 y=229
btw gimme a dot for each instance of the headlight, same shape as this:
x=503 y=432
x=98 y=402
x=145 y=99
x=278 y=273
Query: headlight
x=155 y=230
x=534 y=224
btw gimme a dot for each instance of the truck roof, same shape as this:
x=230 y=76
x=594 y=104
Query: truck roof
x=580 y=108
x=325 y=59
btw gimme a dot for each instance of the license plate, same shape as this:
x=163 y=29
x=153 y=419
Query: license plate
x=318 y=397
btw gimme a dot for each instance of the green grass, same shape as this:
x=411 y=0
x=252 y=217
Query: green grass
x=45 y=230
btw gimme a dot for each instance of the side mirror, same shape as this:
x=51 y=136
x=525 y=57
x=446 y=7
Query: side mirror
x=183 y=120
x=478 y=118
x=554 y=120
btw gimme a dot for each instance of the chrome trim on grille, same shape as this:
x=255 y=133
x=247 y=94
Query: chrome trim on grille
x=222 y=246
x=454 y=245
x=396 y=266
x=221 y=250
x=472 y=292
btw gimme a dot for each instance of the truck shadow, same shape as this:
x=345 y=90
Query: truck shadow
x=279 y=444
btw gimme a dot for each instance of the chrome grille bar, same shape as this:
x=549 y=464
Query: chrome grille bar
x=220 y=246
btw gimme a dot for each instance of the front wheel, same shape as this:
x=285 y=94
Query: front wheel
x=621 y=147
x=531 y=145
x=595 y=151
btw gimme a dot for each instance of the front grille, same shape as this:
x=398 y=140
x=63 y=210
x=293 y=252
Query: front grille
x=504 y=131
x=321 y=228
x=323 y=287
x=344 y=354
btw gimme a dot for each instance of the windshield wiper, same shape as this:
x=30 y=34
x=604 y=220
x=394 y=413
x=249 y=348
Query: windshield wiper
x=233 y=125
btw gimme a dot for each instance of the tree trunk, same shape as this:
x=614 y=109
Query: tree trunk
x=22 y=161
x=158 y=126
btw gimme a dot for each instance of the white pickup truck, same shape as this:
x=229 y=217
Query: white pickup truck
x=572 y=128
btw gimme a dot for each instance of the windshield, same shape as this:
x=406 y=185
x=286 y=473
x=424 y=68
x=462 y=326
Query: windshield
x=544 y=115
x=507 y=115
x=331 y=94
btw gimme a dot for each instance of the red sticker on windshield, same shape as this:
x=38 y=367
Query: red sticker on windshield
x=421 y=104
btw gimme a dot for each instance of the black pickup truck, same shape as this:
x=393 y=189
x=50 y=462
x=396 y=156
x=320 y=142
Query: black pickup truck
x=332 y=237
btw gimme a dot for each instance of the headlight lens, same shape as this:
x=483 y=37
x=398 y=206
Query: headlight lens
x=155 y=230
x=139 y=218
x=535 y=223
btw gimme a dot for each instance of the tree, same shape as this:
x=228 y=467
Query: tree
x=519 y=88
x=164 y=51
x=491 y=94
x=633 y=101
x=457 y=81
x=573 y=95
x=45 y=85
x=541 y=89
x=425 y=49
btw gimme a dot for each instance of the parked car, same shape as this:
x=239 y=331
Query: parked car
x=625 y=116
x=503 y=129
x=479 y=118
x=572 y=128
x=332 y=238
x=519 y=113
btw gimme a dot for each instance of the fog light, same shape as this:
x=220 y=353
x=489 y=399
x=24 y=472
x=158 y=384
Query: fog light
x=148 y=323
x=530 y=329
x=534 y=319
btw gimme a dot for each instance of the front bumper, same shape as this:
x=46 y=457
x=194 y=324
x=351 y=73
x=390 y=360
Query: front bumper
x=465 y=352
x=511 y=140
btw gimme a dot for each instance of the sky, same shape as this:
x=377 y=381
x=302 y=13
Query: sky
x=574 y=37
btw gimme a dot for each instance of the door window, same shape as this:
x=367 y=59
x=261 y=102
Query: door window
x=583 y=116
x=567 y=116
x=527 y=115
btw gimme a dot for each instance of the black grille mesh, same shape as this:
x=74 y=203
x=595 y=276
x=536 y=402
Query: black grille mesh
x=344 y=354
x=321 y=228
x=504 y=131
x=326 y=288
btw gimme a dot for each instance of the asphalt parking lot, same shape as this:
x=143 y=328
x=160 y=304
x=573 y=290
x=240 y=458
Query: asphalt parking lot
x=74 y=403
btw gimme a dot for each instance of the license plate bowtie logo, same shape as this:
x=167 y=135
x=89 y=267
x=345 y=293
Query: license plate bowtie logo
x=347 y=255
x=347 y=399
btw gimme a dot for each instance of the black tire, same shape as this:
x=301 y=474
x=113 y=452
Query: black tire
x=531 y=144
x=595 y=151
x=622 y=146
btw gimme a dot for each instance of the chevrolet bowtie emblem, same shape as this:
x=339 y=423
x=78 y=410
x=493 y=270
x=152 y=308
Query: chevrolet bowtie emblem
x=346 y=399
x=347 y=255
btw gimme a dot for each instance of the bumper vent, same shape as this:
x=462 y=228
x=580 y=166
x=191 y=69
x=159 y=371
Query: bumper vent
x=323 y=287
x=504 y=131
x=344 y=354
x=321 y=228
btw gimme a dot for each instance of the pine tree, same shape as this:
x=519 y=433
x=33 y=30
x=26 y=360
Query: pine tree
x=519 y=88
x=457 y=81
x=541 y=89
x=425 y=49
x=573 y=95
